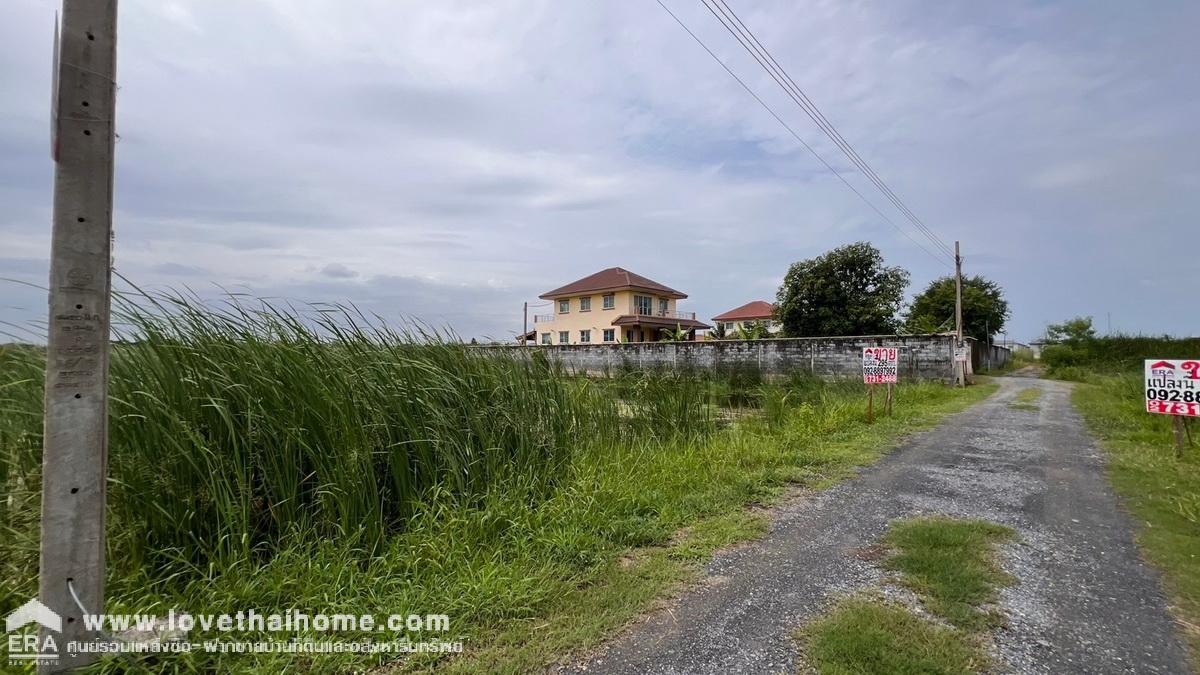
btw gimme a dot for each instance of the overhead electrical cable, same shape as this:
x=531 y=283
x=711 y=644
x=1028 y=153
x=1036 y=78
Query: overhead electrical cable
x=799 y=139
x=745 y=37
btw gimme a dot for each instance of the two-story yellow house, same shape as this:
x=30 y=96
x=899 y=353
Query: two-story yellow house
x=613 y=305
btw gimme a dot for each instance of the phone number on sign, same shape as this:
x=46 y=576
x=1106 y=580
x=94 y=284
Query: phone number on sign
x=1172 y=408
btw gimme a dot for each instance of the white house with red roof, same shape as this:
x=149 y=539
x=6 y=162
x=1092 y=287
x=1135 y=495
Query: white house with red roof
x=747 y=315
x=613 y=305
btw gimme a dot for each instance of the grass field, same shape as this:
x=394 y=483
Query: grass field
x=260 y=459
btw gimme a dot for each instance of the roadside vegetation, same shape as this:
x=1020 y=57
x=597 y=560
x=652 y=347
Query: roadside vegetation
x=1161 y=489
x=267 y=458
x=950 y=565
x=1077 y=353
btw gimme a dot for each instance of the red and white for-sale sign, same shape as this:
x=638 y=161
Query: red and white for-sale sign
x=880 y=364
x=1173 y=387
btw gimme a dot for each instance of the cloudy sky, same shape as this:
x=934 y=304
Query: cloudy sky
x=449 y=161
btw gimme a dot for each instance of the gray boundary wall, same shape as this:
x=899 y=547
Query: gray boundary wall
x=922 y=357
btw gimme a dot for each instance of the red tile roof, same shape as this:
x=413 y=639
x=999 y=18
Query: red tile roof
x=612 y=279
x=758 y=309
x=659 y=321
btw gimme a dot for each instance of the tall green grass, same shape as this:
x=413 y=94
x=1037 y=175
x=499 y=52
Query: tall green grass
x=273 y=457
x=236 y=425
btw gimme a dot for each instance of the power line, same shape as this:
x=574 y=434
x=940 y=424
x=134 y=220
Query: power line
x=755 y=47
x=746 y=38
x=800 y=140
x=818 y=117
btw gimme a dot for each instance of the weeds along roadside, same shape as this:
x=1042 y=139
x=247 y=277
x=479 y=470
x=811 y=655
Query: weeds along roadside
x=261 y=457
x=1161 y=490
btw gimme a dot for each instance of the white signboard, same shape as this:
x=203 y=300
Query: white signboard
x=961 y=354
x=880 y=364
x=1173 y=387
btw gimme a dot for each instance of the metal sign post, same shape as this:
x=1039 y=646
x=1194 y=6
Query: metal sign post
x=880 y=366
x=75 y=454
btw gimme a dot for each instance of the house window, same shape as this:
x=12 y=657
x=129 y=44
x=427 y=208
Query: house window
x=662 y=306
x=643 y=304
x=629 y=335
x=585 y=336
x=564 y=306
x=610 y=301
x=585 y=304
x=610 y=334
x=564 y=337
x=767 y=323
x=545 y=338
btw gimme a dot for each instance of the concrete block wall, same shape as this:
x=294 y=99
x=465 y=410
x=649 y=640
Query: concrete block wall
x=922 y=357
x=979 y=356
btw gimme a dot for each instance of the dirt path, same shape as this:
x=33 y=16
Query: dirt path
x=1085 y=601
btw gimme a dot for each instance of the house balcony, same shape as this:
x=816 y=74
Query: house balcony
x=681 y=316
x=543 y=318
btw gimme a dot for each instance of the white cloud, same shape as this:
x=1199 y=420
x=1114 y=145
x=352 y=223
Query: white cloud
x=406 y=150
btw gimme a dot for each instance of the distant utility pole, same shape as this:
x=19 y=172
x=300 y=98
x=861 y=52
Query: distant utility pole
x=525 y=323
x=960 y=371
x=987 y=336
x=75 y=453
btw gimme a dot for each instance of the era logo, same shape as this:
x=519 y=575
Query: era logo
x=32 y=648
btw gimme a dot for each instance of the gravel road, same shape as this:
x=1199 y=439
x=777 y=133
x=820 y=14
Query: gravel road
x=1085 y=601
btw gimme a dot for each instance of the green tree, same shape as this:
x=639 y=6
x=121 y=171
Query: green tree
x=984 y=308
x=1072 y=331
x=847 y=291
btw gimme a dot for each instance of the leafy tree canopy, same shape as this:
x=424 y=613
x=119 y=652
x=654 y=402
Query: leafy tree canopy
x=1071 y=331
x=984 y=308
x=847 y=291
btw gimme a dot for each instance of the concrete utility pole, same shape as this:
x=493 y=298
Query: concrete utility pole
x=960 y=371
x=75 y=455
x=987 y=334
x=525 y=323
